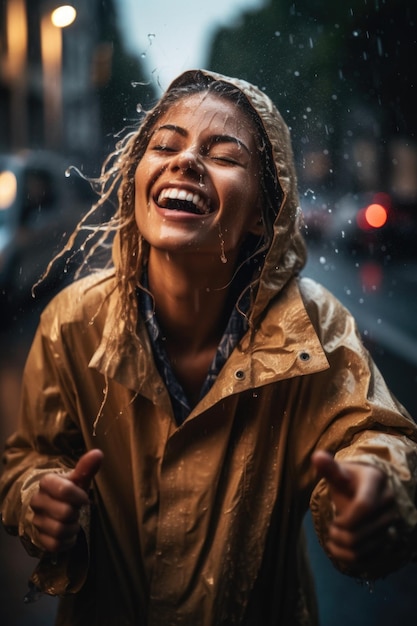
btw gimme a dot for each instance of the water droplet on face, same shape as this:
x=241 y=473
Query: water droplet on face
x=223 y=257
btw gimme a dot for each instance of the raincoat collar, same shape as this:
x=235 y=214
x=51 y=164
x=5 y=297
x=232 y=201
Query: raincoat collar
x=283 y=346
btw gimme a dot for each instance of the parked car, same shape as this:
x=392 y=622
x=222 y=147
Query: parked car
x=39 y=208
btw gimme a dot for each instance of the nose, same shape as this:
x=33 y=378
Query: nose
x=188 y=161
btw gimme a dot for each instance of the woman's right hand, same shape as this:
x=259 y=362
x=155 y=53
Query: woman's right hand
x=57 y=504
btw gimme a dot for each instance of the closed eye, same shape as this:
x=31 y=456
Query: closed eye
x=224 y=159
x=163 y=148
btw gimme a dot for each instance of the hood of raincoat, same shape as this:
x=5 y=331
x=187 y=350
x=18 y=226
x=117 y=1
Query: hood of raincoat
x=287 y=251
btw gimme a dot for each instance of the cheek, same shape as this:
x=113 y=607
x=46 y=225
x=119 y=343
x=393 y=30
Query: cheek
x=242 y=198
x=141 y=176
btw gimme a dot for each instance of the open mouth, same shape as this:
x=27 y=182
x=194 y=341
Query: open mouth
x=177 y=199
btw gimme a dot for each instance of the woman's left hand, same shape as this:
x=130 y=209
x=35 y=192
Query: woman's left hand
x=365 y=513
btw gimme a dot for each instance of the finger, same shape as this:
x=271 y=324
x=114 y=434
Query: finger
x=56 y=529
x=86 y=468
x=55 y=487
x=367 y=532
x=339 y=477
x=61 y=511
x=366 y=551
x=50 y=543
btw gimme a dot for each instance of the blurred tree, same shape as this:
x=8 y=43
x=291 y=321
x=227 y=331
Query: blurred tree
x=333 y=69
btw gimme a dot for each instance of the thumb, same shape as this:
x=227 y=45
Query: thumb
x=337 y=475
x=86 y=468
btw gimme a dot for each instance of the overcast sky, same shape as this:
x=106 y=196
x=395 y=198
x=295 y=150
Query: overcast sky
x=172 y=35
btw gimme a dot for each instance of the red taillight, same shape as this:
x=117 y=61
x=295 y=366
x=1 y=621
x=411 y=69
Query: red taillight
x=375 y=214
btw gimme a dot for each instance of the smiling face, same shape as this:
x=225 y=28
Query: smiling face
x=197 y=185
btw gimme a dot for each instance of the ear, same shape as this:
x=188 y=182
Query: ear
x=257 y=228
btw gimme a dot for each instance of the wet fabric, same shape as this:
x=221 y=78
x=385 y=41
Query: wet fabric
x=202 y=523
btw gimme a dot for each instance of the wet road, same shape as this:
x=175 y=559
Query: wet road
x=386 y=308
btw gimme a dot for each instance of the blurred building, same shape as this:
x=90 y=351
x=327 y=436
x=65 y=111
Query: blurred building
x=47 y=95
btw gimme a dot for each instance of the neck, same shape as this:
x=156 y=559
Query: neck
x=192 y=298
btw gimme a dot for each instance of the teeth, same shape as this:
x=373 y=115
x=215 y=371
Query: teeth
x=181 y=194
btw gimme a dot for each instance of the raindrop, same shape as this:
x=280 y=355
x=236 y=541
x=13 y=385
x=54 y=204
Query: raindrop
x=68 y=172
x=139 y=108
x=223 y=257
x=138 y=83
x=151 y=37
x=370 y=585
x=322 y=260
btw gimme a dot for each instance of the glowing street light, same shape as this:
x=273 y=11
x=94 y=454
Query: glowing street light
x=63 y=16
x=51 y=44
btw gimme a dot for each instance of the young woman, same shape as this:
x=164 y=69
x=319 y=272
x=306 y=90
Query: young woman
x=182 y=408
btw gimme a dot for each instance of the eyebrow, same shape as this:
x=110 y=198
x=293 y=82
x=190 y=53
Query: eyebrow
x=176 y=129
x=213 y=140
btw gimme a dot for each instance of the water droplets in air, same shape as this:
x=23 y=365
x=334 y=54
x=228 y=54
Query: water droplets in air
x=151 y=37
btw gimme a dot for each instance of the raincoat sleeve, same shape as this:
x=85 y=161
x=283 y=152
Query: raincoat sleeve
x=359 y=420
x=47 y=440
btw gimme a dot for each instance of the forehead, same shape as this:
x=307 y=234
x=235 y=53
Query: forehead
x=214 y=113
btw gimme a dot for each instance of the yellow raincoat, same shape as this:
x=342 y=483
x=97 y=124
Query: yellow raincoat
x=201 y=524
